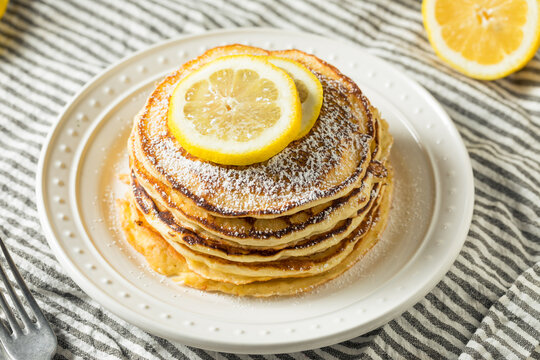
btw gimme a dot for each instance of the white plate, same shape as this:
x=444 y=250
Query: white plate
x=429 y=221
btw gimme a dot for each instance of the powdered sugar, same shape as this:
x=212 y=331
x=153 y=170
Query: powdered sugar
x=323 y=162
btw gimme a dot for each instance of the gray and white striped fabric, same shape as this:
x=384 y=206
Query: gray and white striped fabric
x=487 y=306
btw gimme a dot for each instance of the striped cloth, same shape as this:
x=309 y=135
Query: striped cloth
x=487 y=306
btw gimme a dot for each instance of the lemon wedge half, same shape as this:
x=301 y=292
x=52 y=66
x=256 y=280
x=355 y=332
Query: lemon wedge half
x=484 y=39
x=3 y=7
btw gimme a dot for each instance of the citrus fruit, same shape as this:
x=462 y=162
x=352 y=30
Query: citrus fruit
x=309 y=89
x=235 y=110
x=3 y=7
x=484 y=39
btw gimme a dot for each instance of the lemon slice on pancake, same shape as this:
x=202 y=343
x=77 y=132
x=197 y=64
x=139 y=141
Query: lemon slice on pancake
x=484 y=39
x=3 y=7
x=309 y=89
x=235 y=110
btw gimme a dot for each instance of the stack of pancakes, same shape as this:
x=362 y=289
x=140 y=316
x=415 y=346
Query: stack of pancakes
x=278 y=227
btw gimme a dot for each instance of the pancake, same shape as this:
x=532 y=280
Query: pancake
x=171 y=230
x=163 y=258
x=275 y=231
x=307 y=262
x=324 y=165
x=278 y=227
x=266 y=232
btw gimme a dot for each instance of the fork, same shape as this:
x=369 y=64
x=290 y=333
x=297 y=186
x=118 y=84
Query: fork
x=35 y=340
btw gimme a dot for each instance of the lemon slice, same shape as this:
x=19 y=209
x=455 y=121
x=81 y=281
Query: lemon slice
x=484 y=39
x=235 y=110
x=309 y=89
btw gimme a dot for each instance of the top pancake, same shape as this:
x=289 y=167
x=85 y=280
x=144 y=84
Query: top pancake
x=324 y=165
x=273 y=231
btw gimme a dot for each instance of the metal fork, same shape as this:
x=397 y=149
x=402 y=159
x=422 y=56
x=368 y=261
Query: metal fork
x=34 y=340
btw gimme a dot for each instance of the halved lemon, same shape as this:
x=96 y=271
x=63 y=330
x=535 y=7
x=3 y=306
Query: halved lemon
x=484 y=39
x=3 y=7
x=235 y=110
x=309 y=89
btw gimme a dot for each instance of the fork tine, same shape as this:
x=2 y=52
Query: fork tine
x=14 y=299
x=4 y=333
x=26 y=293
x=9 y=314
